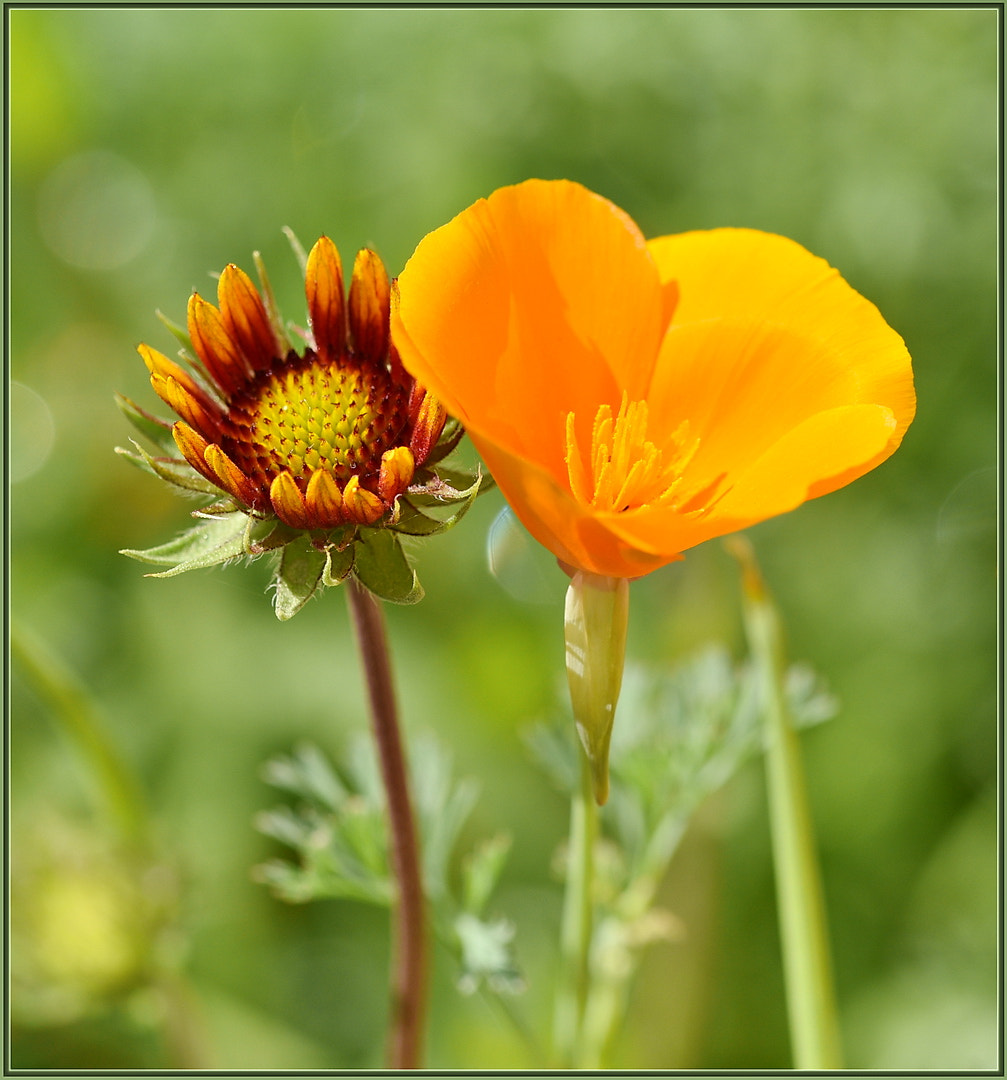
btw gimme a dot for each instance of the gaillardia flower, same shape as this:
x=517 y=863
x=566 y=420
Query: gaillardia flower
x=325 y=447
x=634 y=398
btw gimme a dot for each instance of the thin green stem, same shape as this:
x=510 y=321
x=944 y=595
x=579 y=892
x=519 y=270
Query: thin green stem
x=503 y=1005
x=119 y=788
x=71 y=707
x=577 y=925
x=408 y=979
x=811 y=1005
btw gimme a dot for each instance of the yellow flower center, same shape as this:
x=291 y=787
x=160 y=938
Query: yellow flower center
x=309 y=414
x=625 y=470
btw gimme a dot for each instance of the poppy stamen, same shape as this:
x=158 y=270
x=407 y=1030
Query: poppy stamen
x=627 y=470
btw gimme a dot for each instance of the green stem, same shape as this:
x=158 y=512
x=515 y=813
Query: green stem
x=71 y=707
x=408 y=989
x=811 y=1006
x=577 y=925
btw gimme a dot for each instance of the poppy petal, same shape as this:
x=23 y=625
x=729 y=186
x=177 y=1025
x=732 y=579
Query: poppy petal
x=824 y=453
x=553 y=292
x=765 y=335
x=573 y=533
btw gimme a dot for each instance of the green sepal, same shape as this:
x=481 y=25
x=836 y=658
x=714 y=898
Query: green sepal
x=272 y=309
x=338 y=563
x=179 y=333
x=270 y=535
x=449 y=486
x=217 y=509
x=297 y=247
x=297 y=577
x=413 y=522
x=451 y=436
x=150 y=426
x=174 y=471
x=214 y=541
x=381 y=565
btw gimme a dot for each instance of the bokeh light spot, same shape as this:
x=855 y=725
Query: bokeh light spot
x=32 y=432
x=96 y=211
x=523 y=567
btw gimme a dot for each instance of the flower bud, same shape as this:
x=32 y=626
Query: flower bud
x=597 y=614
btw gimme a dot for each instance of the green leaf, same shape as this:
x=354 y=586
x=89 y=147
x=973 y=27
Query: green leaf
x=486 y=955
x=173 y=471
x=481 y=870
x=442 y=831
x=158 y=431
x=213 y=541
x=307 y=773
x=298 y=577
x=381 y=565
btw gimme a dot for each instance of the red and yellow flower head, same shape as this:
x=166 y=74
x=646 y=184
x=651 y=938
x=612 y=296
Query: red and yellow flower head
x=332 y=449
x=322 y=439
x=634 y=398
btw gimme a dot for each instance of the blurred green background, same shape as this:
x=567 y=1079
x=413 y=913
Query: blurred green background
x=148 y=148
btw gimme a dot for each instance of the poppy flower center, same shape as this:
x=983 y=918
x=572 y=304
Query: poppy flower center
x=625 y=470
x=309 y=414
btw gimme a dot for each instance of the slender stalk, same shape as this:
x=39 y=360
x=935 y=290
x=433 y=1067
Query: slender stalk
x=811 y=1006
x=71 y=707
x=577 y=925
x=408 y=979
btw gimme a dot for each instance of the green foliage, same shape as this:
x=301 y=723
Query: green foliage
x=869 y=135
x=213 y=541
x=308 y=562
x=679 y=735
x=337 y=833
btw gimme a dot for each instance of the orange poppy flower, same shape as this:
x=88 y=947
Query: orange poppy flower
x=634 y=398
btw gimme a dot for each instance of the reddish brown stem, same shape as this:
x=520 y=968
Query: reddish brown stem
x=408 y=979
